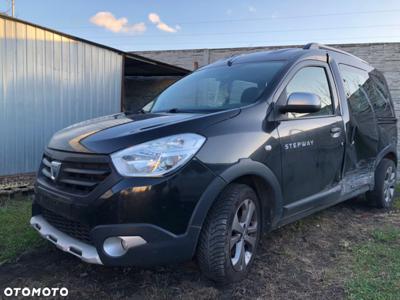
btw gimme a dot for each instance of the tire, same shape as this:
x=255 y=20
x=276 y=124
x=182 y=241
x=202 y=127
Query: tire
x=385 y=184
x=228 y=240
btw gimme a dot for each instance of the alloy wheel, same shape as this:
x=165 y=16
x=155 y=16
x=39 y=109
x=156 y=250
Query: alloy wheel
x=244 y=234
x=389 y=184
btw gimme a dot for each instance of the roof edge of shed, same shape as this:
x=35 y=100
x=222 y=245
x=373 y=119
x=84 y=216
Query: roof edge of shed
x=123 y=53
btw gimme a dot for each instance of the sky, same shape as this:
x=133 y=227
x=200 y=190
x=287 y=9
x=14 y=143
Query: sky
x=136 y=25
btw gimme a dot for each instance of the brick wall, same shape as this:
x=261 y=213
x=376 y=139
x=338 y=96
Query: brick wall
x=383 y=56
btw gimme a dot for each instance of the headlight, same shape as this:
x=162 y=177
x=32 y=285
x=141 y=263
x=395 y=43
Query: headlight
x=157 y=157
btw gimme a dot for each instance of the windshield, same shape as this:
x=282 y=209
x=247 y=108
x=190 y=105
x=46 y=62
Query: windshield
x=217 y=88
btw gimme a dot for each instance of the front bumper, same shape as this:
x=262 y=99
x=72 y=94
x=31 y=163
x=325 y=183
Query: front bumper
x=64 y=242
x=159 y=246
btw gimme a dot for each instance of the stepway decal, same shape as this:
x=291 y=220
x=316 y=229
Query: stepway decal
x=300 y=144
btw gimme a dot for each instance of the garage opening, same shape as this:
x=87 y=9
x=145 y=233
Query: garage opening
x=144 y=79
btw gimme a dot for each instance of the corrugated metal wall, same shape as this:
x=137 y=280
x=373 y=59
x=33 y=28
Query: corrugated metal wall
x=47 y=82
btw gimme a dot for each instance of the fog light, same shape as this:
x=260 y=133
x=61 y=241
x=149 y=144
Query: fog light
x=118 y=245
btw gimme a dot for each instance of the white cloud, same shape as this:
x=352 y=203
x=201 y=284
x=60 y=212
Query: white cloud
x=165 y=27
x=156 y=20
x=107 y=20
x=135 y=28
x=252 y=9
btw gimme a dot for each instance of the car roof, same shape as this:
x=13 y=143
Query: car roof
x=267 y=55
x=309 y=51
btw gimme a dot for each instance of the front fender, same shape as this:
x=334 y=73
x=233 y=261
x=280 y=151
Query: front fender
x=242 y=168
x=250 y=167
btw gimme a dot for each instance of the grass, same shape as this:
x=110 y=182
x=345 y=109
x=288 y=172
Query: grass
x=396 y=203
x=376 y=264
x=16 y=234
x=376 y=267
x=388 y=234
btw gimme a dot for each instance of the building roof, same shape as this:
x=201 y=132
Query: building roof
x=135 y=65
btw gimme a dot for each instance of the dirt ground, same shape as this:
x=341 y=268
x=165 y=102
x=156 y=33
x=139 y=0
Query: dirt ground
x=305 y=260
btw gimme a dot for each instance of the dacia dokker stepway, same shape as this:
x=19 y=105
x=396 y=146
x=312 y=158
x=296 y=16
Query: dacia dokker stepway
x=237 y=148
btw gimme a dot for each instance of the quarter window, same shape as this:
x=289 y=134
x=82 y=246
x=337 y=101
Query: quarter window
x=311 y=80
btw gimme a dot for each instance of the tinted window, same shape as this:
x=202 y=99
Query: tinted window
x=363 y=129
x=218 y=88
x=355 y=87
x=380 y=82
x=360 y=85
x=379 y=95
x=311 y=80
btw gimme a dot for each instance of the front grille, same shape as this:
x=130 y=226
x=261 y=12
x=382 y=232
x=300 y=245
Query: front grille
x=75 y=177
x=74 y=229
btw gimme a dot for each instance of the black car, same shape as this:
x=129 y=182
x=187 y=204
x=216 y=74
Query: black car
x=237 y=148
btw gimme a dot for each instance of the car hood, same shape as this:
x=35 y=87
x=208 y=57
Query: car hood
x=108 y=134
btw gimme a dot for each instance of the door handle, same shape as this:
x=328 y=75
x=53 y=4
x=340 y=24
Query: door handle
x=336 y=131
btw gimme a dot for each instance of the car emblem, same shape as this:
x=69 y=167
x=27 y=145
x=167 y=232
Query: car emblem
x=55 y=169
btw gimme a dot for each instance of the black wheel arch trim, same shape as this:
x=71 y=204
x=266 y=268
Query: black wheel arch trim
x=384 y=152
x=247 y=167
x=243 y=167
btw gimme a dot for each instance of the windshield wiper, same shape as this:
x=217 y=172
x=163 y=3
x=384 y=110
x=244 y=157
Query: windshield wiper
x=194 y=111
x=173 y=110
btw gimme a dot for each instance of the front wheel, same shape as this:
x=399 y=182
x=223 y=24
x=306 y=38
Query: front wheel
x=382 y=195
x=230 y=235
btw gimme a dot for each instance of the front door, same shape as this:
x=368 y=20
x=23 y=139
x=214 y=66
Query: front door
x=312 y=144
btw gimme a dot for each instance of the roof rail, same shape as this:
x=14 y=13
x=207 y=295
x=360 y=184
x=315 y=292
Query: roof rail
x=310 y=46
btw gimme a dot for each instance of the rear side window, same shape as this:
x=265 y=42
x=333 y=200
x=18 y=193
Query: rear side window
x=380 y=98
x=380 y=83
x=360 y=86
x=355 y=87
x=311 y=80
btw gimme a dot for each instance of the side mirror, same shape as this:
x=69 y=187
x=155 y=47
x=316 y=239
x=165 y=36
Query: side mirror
x=302 y=103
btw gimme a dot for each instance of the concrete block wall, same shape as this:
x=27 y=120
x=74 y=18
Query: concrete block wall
x=383 y=56
x=141 y=90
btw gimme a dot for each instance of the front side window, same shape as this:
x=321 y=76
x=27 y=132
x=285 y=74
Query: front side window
x=218 y=88
x=311 y=80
